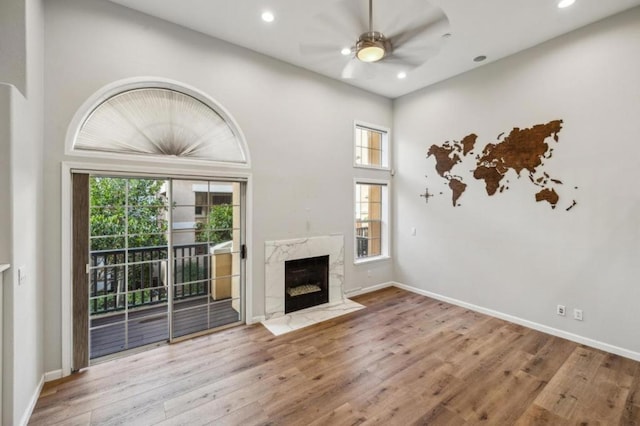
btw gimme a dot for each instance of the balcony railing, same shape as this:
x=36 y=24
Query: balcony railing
x=146 y=270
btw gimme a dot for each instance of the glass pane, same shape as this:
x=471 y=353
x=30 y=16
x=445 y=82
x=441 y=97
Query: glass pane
x=223 y=313
x=368 y=224
x=236 y=217
x=235 y=292
x=189 y=269
x=201 y=212
x=146 y=276
x=108 y=301
x=107 y=191
x=190 y=192
x=221 y=288
x=146 y=254
x=190 y=250
x=148 y=326
x=107 y=221
x=146 y=220
x=191 y=290
x=146 y=193
x=220 y=217
x=107 y=244
x=375 y=193
x=107 y=339
x=375 y=237
x=107 y=257
x=216 y=237
x=368 y=147
x=235 y=263
x=186 y=229
x=106 y=287
x=149 y=242
x=190 y=317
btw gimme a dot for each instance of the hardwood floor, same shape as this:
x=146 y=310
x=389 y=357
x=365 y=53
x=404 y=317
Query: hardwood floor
x=405 y=359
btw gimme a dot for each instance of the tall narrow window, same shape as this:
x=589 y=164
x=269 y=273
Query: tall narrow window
x=371 y=219
x=371 y=146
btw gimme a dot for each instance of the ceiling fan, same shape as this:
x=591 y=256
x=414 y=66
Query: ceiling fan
x=372 y=45
x=423 y=29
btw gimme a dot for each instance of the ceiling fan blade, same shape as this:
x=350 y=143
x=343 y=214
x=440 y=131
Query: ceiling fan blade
x=336 y=25
x=356 y=69
x=348 y=72
x=432 y=30
x=319 y=49
x=410 y=61
x=357 y=16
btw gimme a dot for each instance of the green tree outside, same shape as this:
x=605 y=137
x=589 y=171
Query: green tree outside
x=219 y=225
x=130 y=207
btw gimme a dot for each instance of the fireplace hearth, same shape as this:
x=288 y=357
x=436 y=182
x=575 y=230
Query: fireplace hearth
x=306 y=283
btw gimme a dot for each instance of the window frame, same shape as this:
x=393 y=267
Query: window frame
x=385 y=150
x=385 y=222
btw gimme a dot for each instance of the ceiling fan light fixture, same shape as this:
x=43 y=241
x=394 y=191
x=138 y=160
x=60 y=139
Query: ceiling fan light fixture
x=371 y=47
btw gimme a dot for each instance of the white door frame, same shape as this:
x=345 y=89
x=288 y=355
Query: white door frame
x=128 y=170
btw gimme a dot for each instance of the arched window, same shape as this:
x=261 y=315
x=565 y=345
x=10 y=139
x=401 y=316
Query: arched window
x=159 y=122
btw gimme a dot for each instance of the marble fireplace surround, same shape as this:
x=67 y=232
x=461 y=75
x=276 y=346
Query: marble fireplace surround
x=279 y=251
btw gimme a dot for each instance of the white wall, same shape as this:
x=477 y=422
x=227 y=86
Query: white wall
x=5 y=173
x=5 y=225
x=13 y=42
x=298 y=126
x=508 y=253
x=22 y=308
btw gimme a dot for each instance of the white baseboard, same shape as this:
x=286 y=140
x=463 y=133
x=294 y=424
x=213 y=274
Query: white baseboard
x=365 y=290
x=52 y=375
x=256 y=320
x=526 y=323
x=32 y=403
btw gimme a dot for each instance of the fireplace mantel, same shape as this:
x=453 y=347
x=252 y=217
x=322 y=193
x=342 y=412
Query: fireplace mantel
x=279 y=251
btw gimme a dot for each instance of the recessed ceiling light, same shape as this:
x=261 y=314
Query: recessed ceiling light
x=479 y=58
x=402 y=75
x=565 y=3
x=268 y=16
x=346 y=51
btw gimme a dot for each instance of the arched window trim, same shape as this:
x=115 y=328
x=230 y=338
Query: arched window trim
x=121 y=86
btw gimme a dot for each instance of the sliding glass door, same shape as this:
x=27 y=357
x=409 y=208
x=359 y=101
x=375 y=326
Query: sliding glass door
x=128 y=252
x=206 y=238
x=164 y=261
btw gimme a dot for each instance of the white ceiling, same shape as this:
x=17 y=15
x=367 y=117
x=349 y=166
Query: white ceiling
x=495 y=28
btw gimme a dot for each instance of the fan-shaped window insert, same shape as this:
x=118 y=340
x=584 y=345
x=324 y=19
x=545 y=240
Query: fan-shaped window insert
x=159 y=122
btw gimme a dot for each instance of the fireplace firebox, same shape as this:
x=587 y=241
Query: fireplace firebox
x=306 y=283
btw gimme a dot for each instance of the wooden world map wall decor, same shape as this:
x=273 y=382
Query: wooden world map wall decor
x=522 y=150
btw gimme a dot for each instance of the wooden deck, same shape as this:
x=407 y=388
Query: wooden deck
x=150 y=325
x=405 y=359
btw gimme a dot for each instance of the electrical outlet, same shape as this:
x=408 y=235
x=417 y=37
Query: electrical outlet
x=561 y=310
x=577 y=314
